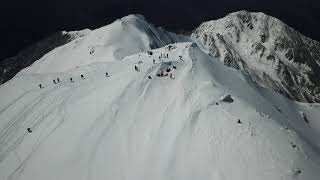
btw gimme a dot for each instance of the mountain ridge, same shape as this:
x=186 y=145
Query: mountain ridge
x=272 y=53
x=202 y=121
x=131 y=101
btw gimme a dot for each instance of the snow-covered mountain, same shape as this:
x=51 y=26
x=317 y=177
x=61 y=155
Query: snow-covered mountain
x=90 y=46
x=130 y=104
x=273 y=54
x=126 y=36
x=11 y=66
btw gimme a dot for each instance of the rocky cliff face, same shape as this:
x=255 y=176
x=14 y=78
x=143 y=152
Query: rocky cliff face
x=11 y=66
x=269 y=51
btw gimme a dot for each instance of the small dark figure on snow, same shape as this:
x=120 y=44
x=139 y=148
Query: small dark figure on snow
x=107 y=74
x=171 y=76
x=40 y=86
x=71 y=80
x=167 y=55
x=82 y=77
x=58 y=80
x=293 y=145
x=154 y=61
x=29 y=130
x=174 y=67
x=228 y=99
x=54 y=81
x=304 y=116
x=136 y=68
x=297 y=172
x=180 y=57
x=239 y=121
x=149 y=77
x=150 y=53
x=168 y=69
x=160 y=74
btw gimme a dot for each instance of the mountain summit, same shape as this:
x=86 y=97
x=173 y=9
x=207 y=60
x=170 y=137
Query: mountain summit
x=270 y=52
x=126 y=36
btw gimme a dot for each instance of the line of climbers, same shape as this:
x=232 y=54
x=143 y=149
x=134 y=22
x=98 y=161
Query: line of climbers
x=56 y=81
x=136 y=68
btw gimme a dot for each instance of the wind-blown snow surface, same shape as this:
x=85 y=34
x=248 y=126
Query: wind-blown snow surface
x=128 y=126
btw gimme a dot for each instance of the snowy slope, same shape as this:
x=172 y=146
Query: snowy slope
x=128 y=126
x=272 y=53
x=11 y=66
x=126 y=36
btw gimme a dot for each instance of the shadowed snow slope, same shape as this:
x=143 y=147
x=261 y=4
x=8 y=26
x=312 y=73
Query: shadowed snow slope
x=132 y=126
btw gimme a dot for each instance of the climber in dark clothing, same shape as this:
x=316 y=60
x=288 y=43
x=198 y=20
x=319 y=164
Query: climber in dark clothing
x=149 y=77
x=136 y=68
x=58 y=80
x=29 y=130
x=71 y=80
x=82 y=77
x=54 y=81
x=40 y=86
x=107 y=74
x=161 y=74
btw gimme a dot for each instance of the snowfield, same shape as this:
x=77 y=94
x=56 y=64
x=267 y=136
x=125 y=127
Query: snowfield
x=199 y=120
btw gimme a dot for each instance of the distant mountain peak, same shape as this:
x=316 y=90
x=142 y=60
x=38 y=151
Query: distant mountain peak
x=273 y=54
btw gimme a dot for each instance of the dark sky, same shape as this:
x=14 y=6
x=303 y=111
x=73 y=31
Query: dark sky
x=22 y=22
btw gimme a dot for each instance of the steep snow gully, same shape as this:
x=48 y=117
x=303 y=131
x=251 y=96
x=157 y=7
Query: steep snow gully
x=167 y=113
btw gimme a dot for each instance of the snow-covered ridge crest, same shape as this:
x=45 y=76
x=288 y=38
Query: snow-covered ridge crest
x=126 y=36
x=272 y=53
x=77 y=34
